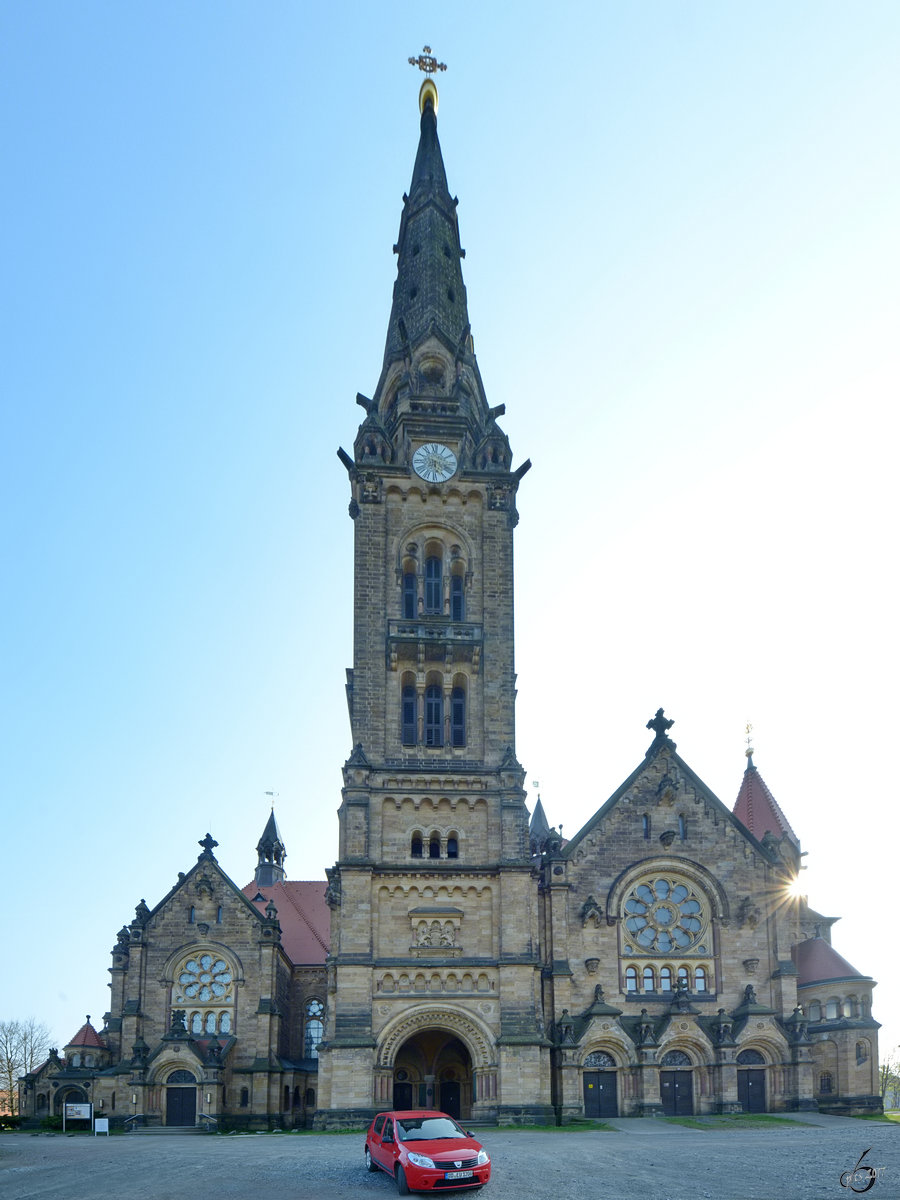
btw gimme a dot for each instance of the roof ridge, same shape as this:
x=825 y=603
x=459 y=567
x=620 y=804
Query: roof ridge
x=303 y=915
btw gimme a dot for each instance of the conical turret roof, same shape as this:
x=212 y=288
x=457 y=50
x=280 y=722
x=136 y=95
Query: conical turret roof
x=758 y=810
x=87 y=1036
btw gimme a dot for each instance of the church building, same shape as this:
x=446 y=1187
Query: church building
x=462 y=955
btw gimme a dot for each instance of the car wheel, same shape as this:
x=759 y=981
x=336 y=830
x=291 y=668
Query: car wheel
x=370 y=1166
x=402 y=1185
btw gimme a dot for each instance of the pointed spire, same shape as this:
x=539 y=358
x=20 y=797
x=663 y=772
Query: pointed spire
x=429 y=293
x=271 y=851
x=757 y=809
x=539 y=829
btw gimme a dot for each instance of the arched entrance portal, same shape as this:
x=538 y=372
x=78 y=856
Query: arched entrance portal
x=752 y=1081
x=676 y=1086
x=599 y=1085
x=69 y=1095
x=181 y=1100
x=433 y=1069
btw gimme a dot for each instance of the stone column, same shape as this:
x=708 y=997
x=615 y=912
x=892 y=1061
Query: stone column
x=724 y=1080
x=649 y=1102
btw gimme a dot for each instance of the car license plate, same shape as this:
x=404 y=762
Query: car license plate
x=458 y=1174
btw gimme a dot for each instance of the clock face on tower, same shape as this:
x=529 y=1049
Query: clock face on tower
x=434 y=462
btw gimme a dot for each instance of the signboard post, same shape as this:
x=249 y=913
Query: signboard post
x=77 y=1112
x=101 y=1125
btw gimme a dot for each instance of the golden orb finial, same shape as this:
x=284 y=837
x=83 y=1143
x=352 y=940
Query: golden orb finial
x=428 y=91
x=429 y=64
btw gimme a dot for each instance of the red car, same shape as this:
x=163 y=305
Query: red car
x=425 y=1151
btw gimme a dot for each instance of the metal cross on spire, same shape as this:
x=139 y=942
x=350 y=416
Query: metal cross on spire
x=427 y=62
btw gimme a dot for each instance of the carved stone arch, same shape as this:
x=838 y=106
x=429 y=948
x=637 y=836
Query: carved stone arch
x=769 y=1042
x=611 y=1041
x=751 y=1056
x=693 y=1042
x=474 y=1035
x=168 y=1062
x=604 y=1056
x=699 y=875
x=678 y=1057
x=446 y=529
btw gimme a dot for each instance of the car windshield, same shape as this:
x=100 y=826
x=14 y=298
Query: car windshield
x=428 y=1129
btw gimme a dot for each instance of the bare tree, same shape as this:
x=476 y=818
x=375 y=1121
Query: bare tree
x=889 y=1078
x=23 y=1047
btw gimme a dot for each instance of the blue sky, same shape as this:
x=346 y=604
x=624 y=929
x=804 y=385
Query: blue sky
x=682 y=262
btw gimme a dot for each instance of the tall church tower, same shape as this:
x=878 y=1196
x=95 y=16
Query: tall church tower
x=434 y=969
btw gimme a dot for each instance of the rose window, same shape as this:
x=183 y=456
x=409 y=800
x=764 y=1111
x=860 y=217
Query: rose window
x=664 y=915
x=205 y=978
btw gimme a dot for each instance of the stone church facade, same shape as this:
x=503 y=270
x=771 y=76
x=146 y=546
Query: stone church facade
x=462 y=955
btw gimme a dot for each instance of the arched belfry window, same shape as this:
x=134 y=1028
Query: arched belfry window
x=457 y=598
x=434 y=715
x=458 y=717
x=408 y=715
x=415 y=848
x=410 y=596
x=434 y=570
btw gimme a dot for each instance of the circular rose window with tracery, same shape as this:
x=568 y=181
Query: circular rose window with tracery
x=204 y=978
x=663 y=915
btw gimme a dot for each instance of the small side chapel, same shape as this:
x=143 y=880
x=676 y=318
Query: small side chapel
x=461 y=954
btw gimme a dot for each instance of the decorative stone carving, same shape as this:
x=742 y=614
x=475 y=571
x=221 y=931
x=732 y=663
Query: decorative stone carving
x=646 y=1034
x=722 y=1027
x=591 y=910
x=370 y=488
x=748 y=914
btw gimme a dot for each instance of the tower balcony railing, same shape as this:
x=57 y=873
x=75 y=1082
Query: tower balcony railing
x=435 y=637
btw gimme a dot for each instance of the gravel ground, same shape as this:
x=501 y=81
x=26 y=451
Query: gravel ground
x=639 y=1160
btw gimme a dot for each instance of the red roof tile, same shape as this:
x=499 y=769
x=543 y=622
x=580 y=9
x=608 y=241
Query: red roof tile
x=87 y=1036
x=818 y=962
x=303 y=915
x=758 y=809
